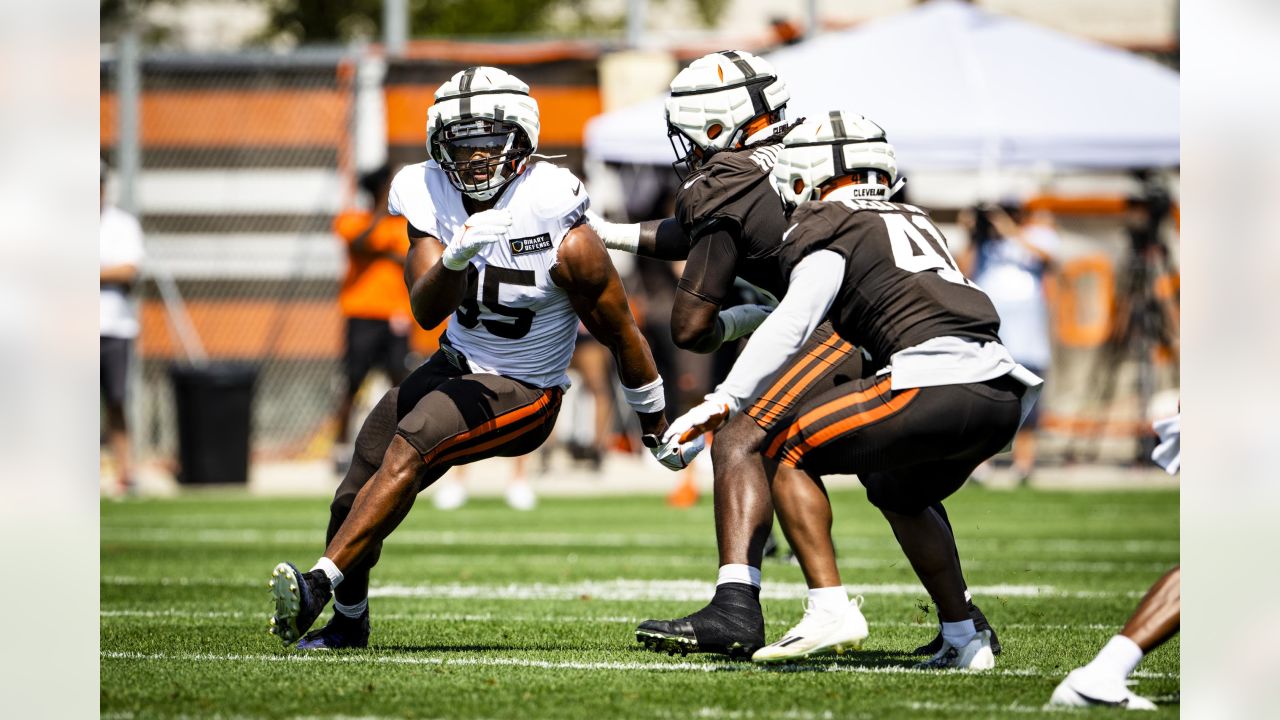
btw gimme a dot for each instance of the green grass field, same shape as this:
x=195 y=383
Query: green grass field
x=489 y=613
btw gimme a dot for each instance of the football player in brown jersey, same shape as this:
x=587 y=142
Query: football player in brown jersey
x=725 y=121
x=947 y=395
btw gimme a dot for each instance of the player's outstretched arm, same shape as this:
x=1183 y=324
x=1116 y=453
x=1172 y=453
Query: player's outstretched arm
x=813 y=287
x=585 y=271
x=434 y=290
x=658 y=239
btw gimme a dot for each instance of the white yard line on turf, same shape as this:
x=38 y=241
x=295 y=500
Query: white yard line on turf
x=565 y=539
x=490 y=617
x=624 y=590
x=898 y=562
x=659 y=666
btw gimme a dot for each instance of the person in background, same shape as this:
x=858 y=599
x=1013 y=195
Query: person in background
x=1008 y=255
x=373 y=299
x=120 y=255
x=451 y=491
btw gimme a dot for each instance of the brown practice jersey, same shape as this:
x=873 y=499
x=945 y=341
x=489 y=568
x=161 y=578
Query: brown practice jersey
x=901 y=286
x=734 y=218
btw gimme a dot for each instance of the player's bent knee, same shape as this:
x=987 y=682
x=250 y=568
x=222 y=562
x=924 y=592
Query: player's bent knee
x=402 y=462
x=737 y=442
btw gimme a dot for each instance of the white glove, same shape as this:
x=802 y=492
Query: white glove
x=479 y=232
x=707 y=416
x=673 y=455
x=616 y=236
x=741 y=320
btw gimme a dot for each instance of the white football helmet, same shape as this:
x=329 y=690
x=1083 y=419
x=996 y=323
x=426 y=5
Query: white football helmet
x=716 y=99
x=482 y=129
x=841 y=149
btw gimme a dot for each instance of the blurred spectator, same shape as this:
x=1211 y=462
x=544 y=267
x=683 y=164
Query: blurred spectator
x=1008 y=256
x=373 y=299
x=450 y=491
x=594 y=365
x=785 y=32
x=120 y=256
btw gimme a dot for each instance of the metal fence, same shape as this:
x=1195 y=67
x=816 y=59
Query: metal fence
x=244 y=161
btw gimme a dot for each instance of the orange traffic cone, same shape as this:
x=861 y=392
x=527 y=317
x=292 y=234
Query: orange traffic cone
x=686 y=493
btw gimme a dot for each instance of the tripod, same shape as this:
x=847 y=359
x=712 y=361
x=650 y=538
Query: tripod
x=1142 y=321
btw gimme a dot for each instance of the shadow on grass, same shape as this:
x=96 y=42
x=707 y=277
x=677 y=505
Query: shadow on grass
x=860 y=659
x=823 y=663
x=475 y=647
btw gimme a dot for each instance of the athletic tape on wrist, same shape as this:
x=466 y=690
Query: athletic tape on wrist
x=646 y=398
x=620 y=236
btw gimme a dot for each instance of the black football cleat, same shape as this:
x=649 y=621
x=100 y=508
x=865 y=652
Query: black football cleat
x=979 y=623
x=731 y=624
x=299 y=597
x=341 y=632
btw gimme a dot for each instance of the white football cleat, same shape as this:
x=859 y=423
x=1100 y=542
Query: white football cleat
x=1083 y=689
x=818 y=632
x=520 y=496
x=975 y=655
x=449 y=495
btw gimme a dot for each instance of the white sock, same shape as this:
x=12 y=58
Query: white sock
x=831 y=599
x=738 y=573
x=330 y=570
x=958 y=633
x=1117 y=658
x=352 y=611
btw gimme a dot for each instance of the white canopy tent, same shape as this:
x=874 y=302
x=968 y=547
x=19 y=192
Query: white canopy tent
x=956 y=87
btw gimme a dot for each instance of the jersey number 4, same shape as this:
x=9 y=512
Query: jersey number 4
x=914 y=252
x=494 y=278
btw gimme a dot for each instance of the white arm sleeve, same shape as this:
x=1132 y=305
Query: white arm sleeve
x=813 y=287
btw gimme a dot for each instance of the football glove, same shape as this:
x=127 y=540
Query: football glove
x=742 y=320
x=674 y=455
x=707 y=416
x=479 y=232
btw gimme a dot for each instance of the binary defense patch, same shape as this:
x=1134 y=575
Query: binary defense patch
x=524 y=246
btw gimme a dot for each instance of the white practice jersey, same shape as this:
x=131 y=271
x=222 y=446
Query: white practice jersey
x=514 y=320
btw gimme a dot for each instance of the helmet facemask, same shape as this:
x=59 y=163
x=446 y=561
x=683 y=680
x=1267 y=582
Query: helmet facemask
x=480 y=156
x=689 y=156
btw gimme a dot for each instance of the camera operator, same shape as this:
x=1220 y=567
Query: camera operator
x=1008 y=256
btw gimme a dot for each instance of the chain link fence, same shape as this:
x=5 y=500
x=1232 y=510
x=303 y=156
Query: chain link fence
x=245 y=160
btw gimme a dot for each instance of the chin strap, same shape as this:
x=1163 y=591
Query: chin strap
x=901 y=182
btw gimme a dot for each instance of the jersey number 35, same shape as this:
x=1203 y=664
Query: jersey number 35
x=494 y=278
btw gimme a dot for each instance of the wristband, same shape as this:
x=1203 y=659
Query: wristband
x=646 y=398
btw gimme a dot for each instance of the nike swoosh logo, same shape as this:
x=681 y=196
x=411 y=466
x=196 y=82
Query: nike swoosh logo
x=788 y=232
x=695 y=179
x=577 y=190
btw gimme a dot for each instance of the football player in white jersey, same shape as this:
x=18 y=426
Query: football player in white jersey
x=500 y=244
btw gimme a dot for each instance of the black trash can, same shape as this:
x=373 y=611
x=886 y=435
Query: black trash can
x=214 y=404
